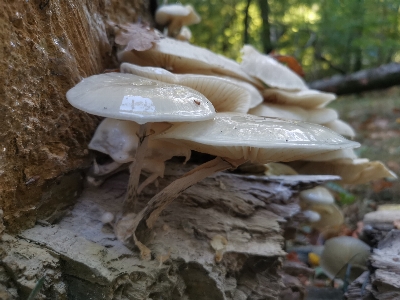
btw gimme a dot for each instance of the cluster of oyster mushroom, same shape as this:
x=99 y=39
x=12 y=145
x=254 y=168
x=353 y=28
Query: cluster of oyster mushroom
x=176 y=97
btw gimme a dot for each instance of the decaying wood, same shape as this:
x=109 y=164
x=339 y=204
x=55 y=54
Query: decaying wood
x=294 y=288
x=360 y=289
x=386 y=262
x=378 y=224
x=86 y=260
x=383 y=280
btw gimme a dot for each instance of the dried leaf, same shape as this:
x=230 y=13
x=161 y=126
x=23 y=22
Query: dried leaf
x=291 y=62
x=136 y=36
x=380 y=185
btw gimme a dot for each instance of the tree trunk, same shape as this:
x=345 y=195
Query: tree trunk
x=372 y=79
x=246 y=23
x=266 y=30
x=49 y=46
x=221 y=239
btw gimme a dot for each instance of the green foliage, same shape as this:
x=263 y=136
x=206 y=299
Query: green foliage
x=344 y=196
x=326 y=36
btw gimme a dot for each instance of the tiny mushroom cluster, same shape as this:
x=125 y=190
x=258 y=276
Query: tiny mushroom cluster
x=319 y=206
x=176 y=97
x=176 y=18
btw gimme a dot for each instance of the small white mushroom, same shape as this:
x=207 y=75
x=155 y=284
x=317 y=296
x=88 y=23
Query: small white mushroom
x=107 y=218
x=331 y=216
x=318 y=194
x=185 y=34
x=175 y=16
x=311 y=216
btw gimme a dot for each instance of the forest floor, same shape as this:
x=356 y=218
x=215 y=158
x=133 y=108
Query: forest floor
x=375 y=116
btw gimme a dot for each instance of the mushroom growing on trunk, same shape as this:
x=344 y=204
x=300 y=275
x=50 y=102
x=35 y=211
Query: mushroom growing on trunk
x=236 y=138
x=141 y=100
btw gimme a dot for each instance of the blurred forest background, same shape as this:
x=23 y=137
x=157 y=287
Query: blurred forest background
x=326 y=36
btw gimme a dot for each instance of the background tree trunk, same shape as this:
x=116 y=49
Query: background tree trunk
x=266 y=30
x=246 y=23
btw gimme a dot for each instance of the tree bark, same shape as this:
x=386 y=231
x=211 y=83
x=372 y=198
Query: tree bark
x=266 y=30
x=246 y=23
x=48 y=47
x=366 y=80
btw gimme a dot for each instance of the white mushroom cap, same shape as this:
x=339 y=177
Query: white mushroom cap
x=319 y=194
x=181 y=57
x=257 y=139
x=116 y=138
x=303 y=98
x=185 y=34
x=352 y=171
x=292 y=112
x=341 y=127
x=176 y=16
x=224 y=94
x=277 y=169
x=270 y=71
x=311 y=216
x=343 y=250
x=134 y=98
x=255 y=95
x=331 y=215
x=333 y=155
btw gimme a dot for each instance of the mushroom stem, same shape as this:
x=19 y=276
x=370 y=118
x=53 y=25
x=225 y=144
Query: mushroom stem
x=99 y=173
x=149 y=180
x=147 y=216
x=135 y=169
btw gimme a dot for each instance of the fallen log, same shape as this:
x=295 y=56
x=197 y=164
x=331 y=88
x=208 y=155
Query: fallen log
x=382 y=77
